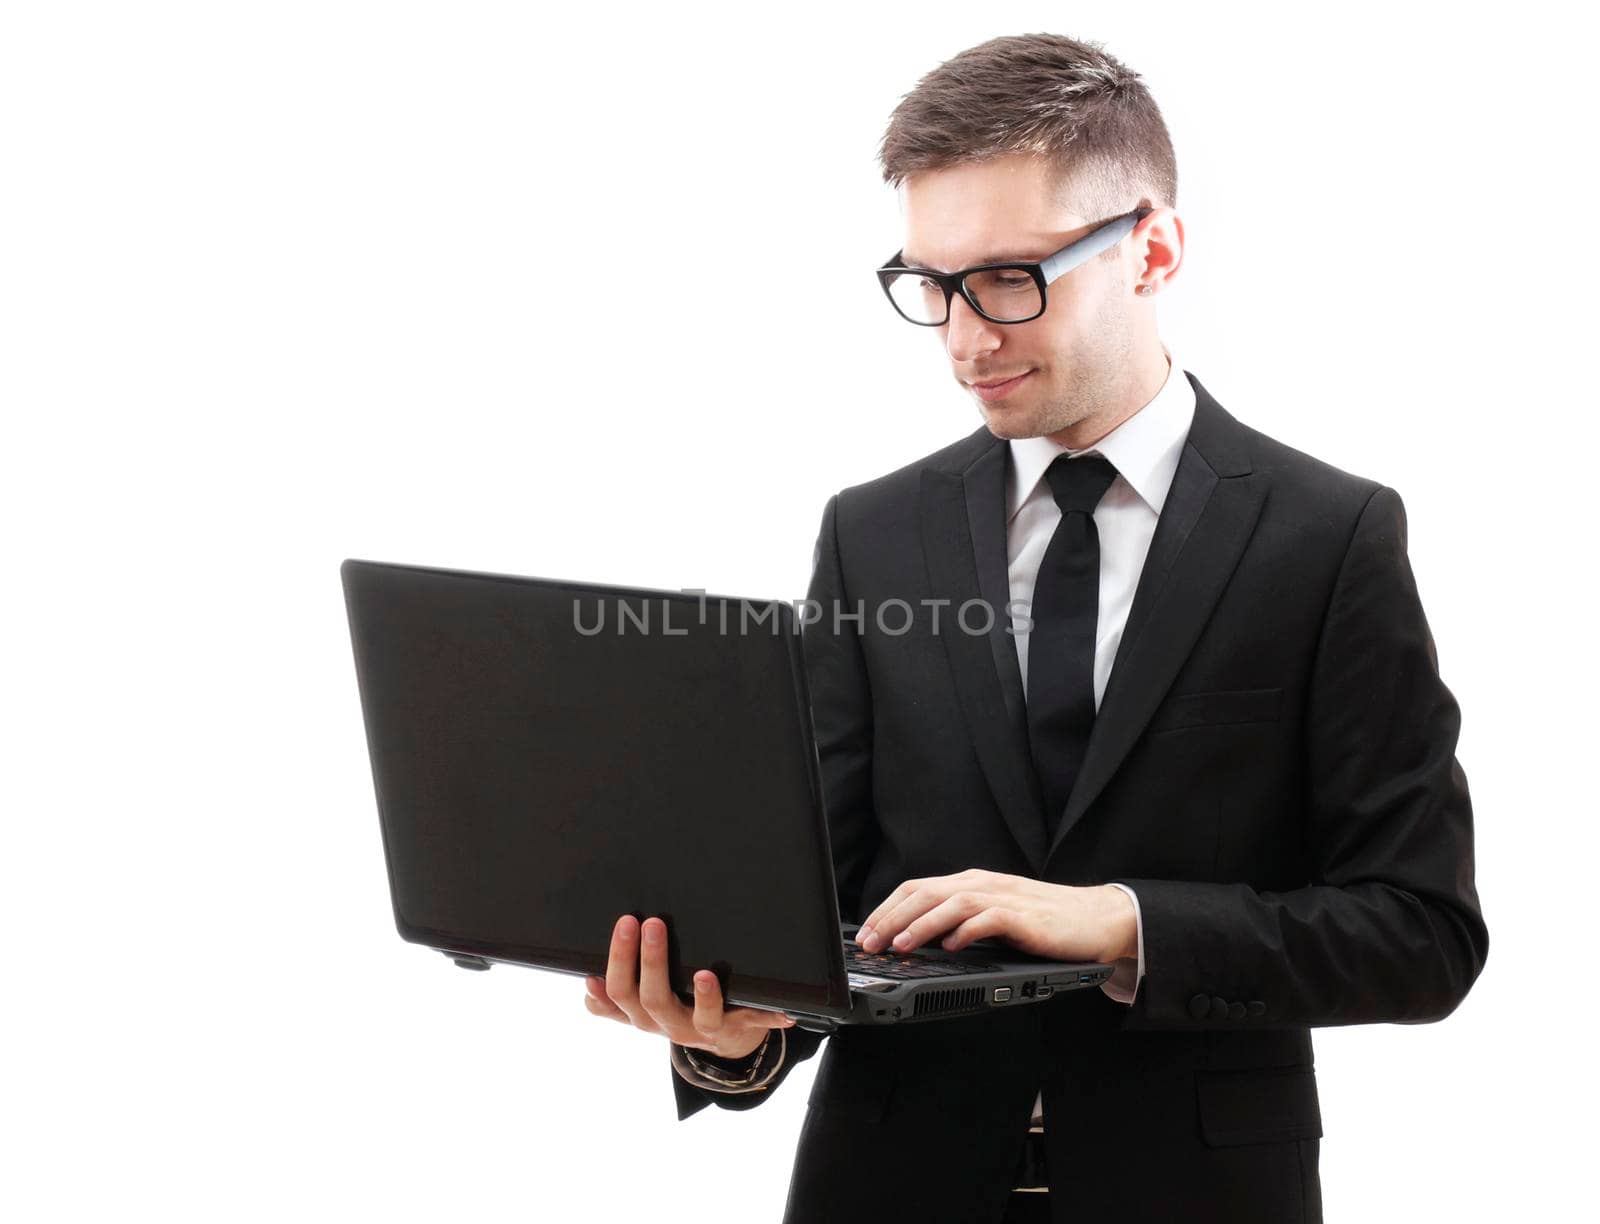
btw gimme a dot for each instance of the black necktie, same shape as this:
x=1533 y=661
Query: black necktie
x=1065 y=612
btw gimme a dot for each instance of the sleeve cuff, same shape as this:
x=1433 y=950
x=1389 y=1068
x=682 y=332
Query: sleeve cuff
x=768 y=1058
x=1123 y=984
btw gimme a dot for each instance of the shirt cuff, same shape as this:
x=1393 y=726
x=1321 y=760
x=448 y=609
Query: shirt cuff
x=768 y=1056
x=1123 y=984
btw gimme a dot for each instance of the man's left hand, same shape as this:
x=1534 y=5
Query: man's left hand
x=1061 y=921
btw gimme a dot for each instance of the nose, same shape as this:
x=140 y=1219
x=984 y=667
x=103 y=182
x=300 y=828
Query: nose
x=967 y=333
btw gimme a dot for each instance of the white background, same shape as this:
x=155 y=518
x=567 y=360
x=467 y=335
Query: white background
x=274 y=282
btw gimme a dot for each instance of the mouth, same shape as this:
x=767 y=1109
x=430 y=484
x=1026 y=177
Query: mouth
x=990 y=391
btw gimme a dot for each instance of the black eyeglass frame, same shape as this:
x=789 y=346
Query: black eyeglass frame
x=1047 y=271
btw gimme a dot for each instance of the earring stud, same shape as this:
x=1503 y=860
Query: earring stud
x=1147 y=289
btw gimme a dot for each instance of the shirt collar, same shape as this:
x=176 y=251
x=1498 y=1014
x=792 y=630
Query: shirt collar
x=1144 y=448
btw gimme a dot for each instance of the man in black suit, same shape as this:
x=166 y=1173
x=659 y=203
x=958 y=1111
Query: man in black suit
x=1114 y=677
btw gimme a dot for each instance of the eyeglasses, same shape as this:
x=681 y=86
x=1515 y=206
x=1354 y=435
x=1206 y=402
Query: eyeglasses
x=1000 y=292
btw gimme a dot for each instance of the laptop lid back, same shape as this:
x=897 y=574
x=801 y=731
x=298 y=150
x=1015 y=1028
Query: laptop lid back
x=549 y=755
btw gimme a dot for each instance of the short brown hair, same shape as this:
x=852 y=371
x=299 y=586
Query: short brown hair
x=1065 y=100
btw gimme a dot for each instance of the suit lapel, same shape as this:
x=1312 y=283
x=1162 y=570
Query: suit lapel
x=1207 y=519
x=1209 y=515
x=964 y=547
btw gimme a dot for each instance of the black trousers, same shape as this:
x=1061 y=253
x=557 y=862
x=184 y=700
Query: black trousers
x=1024 y=1207
x=1031 y=1206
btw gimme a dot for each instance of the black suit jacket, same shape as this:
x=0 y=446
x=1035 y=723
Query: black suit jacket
x=1271 y=770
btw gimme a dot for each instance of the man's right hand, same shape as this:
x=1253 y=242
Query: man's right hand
x=636 y=992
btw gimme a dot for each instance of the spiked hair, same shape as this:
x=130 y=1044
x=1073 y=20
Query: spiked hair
x=1089 y=115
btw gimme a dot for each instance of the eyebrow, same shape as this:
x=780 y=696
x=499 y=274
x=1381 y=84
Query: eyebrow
x=913 y=262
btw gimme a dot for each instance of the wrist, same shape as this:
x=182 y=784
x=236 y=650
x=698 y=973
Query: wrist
x=738 y=1061
x=1123 y=925
x=755 y=1070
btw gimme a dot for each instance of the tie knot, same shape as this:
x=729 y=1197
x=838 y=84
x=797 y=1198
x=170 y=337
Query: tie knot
x=1079 y=482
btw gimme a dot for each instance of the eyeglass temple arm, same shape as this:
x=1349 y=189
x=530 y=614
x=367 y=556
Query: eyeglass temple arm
x=1090 y=245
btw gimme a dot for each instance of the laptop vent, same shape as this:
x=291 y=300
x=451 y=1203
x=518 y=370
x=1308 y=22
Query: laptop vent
x=942 y=1002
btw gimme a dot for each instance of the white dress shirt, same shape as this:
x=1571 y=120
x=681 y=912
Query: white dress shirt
x=1144 y=449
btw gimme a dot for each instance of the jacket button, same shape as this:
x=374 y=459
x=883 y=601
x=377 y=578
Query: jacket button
x=1235 y=1011
x=1219 y=1008
x=1257 y=1007
x=1200 y=1006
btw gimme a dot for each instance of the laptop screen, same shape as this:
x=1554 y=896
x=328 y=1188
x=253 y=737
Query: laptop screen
x=550 y=755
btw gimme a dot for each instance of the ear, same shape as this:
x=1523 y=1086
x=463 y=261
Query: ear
x=1157 y=243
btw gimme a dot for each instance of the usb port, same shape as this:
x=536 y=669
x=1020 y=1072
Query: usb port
x=1085 y=977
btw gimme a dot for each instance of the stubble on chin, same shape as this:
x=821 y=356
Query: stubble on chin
x=1035 y=421
x=1009 y=425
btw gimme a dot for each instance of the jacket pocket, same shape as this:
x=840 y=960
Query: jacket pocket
x=1219 y=707
x=1270 y=1105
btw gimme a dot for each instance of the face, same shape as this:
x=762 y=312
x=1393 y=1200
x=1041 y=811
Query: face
x=1094 y=357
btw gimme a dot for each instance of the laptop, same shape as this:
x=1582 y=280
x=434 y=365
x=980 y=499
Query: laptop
x=548 y=755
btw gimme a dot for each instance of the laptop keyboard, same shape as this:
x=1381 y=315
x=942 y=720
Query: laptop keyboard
x=904 y=965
